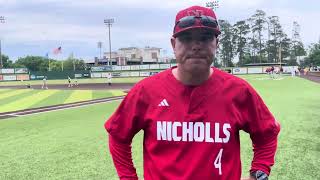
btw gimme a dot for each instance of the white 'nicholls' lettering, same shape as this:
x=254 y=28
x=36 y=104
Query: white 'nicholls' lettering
x=192 y=131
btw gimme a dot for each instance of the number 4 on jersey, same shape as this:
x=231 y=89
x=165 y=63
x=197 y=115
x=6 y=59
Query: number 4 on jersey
x=217 y=161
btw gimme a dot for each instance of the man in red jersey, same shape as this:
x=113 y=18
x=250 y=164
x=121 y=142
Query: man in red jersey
x=191 y=114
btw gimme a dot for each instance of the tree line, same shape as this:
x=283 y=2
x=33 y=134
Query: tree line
x=261 y=39
x=39 y=63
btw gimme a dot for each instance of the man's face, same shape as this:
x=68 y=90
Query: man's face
x=194 y=50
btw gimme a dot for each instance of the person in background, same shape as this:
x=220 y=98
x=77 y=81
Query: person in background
x=69 y=82
x=109 y=79
x=44 y=83
x=76 y=81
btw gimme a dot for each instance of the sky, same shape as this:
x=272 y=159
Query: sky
x=36 y=27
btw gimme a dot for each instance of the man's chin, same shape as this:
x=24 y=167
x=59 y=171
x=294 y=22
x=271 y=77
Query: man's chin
x=196 y=60
x=198 y=68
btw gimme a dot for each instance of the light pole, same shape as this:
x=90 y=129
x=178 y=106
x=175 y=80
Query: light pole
x=2 y=20
x=280 y=51
x=268 y=44
x=214 y=5
x=109 y=23
x=100 y=46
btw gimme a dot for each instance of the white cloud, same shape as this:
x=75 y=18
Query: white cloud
x=241 y=4
x=307 y=20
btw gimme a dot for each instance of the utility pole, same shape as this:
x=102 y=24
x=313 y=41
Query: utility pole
x=280 y=54
x=2 y=20
x=268 y=44
x=109 y=23
x=74 y=65
x=47 y=57
x=296 y=39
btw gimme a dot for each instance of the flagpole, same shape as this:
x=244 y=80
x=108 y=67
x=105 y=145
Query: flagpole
x=49 y=61
x=74 y=66
x=61 y=61
x=49 y=65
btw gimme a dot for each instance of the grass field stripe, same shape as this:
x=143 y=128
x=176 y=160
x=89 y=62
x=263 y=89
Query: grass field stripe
x=4 y=90
x=58 y=98
x=117 y=93
x=13 y=93
x=17 y=97
x=28 y=101
x=70 y=105
x=79 y=95
x=67 y=107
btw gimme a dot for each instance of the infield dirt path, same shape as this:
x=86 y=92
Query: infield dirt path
x=311 y=78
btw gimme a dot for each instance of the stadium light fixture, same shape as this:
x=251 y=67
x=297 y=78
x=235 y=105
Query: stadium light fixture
x=109 y=23
x=2 y=20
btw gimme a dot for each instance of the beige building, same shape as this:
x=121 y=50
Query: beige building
x=134 y=55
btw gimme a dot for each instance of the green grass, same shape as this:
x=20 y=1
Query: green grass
x=295 y=103
x=67 y=144
x=56 y=98
x=79 y=95
x=4 y=90
x=13 y=99
x=10 y=99
x=65 y=81
x=72 y=144
x=13 y=93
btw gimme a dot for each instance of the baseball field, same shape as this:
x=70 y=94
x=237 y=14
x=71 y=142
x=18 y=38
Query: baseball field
x=71 y=143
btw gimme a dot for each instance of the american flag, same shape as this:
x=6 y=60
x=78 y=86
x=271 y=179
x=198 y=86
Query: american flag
x=57 y=50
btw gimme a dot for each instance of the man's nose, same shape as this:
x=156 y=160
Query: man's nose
x=196 y=45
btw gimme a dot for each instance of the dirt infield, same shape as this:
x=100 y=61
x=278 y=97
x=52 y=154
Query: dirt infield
x=311 y=78
x=89 y=86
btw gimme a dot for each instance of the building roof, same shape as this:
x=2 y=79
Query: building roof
x=265 y=64
x=128 y=48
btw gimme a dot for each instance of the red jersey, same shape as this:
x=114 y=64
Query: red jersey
x=192 y=132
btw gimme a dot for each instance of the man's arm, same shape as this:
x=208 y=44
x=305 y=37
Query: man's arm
x=263 y=129
x=264 y=148
x=124 y=123
x=122 y=159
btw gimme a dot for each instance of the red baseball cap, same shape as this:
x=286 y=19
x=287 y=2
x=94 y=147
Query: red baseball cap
x=189 y=17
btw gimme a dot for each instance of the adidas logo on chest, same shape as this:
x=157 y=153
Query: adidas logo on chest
x=164 y=102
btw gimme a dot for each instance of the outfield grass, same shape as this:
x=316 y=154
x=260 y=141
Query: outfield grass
x=295 y=102
x=65 y=81
x=67 y=144
x=17 y=99
x=72 y=144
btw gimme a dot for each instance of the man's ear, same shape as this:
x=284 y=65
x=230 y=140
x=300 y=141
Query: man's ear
x=173 y=42
x=217 y=41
